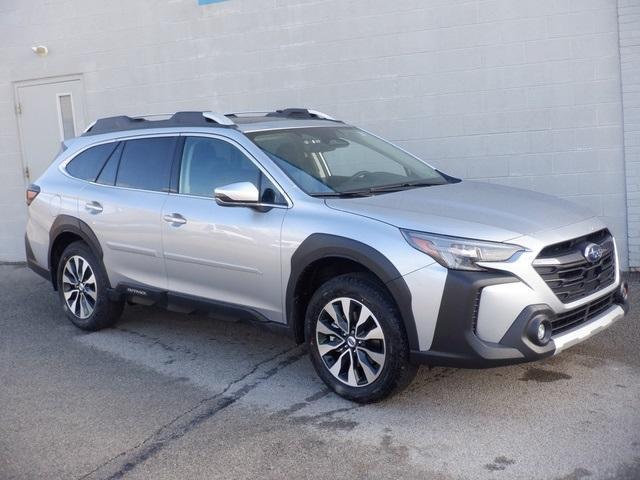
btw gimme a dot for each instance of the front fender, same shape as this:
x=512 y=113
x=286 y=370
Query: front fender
x=320 y=245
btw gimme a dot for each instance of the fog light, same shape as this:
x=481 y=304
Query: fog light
x=542 y=332
x=539 y=329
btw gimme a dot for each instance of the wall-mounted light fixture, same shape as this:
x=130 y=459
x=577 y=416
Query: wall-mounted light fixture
x=40 y=50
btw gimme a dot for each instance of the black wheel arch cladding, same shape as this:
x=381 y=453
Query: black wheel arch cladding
x=64 y=224
x=320 y=246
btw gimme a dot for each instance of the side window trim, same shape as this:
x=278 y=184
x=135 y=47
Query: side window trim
x=263 y=172
x=115 y=176
x=114 y=152
x=177 y=161
x=65 y=164
x=174 y=179
x=127 y=142
x=62 y=166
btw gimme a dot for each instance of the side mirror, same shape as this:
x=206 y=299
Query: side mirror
x=241 y=194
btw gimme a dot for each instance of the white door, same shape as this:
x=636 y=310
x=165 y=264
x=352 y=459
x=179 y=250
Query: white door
x=49 y=111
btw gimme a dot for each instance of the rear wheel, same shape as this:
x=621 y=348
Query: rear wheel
x=356 y=339
x=83 y=289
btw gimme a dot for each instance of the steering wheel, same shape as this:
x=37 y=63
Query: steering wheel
x=360 y=174
x=354 y=180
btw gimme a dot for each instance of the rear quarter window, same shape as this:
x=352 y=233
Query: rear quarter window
x=88 y=164
x=108 y=173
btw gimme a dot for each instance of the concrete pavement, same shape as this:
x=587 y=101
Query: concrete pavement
x=170 y=396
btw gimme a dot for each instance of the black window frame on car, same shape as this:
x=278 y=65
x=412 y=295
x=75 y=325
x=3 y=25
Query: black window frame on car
x=281 y=200
x=115 y=157
x=105 y=150
x=109 y=171
x=165 y=185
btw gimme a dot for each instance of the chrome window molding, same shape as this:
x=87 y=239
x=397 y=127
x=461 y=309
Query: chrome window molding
x=247 y=154
x=62 y=167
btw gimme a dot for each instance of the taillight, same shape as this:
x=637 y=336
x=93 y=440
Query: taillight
x=32 y=193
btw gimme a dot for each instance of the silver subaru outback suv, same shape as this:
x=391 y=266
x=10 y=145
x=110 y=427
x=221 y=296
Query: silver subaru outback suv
x=377 y=260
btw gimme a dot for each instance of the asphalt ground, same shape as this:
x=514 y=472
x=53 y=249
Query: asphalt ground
x=171 y=396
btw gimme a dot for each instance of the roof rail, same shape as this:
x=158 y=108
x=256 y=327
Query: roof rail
x=178 y=119
x=144 y=117
x=302 y=113
x=89 y=127
x=293 y=113
x=218 y=118
x=247 y=113
x=148 y=116
x=321 y=115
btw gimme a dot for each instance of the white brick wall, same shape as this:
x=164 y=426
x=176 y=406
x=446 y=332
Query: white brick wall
x=519 y=92
x=629 y=20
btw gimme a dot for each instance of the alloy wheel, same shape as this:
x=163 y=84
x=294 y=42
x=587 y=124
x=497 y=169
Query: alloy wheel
x=79 y=287
x=351 y=342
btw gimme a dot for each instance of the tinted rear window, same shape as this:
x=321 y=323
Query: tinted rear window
x=108 y=173
x=146 y=164
x=88 y=164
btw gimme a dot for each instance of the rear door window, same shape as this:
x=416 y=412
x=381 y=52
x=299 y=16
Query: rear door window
x=87 y=165
x=145 y=163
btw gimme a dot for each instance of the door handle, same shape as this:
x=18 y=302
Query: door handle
x=93 y=207
x=175 y=219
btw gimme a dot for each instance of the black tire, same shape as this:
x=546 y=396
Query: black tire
x=396 y=371
x=105 y=312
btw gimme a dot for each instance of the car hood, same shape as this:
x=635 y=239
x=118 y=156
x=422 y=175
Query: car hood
x=467 y=209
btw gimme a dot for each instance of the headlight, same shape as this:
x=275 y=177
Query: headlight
x=460 y=253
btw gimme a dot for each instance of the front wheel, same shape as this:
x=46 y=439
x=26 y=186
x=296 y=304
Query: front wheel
x=356 y=339
x=83 y=287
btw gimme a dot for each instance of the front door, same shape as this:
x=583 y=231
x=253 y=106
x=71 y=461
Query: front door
x=49 y=111
x=226 y=254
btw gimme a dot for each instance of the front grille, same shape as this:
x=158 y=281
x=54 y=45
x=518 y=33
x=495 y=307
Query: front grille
x=576 y=317
x=569 y=274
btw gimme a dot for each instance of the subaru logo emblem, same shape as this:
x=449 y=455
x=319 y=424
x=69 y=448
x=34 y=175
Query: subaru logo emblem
x=593 y=252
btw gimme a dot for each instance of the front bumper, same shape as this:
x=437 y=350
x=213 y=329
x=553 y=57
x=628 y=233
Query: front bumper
x=457 y=343
x=588 y=329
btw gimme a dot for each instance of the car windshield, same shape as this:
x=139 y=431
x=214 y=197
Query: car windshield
x=343 y=161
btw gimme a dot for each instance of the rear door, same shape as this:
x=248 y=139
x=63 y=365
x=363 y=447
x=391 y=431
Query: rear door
x=123 y=206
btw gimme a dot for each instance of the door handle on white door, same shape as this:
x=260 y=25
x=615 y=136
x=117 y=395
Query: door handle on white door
x=93 y=207
x=175 y=219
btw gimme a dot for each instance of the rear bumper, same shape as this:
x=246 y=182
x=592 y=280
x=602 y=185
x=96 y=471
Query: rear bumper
x=32 y=263
x=456 y=342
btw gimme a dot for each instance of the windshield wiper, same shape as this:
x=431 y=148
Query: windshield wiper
x=367 y=192
x=393 y=187
x=354 y=193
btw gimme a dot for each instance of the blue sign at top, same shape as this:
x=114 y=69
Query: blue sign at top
x=207 y=2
